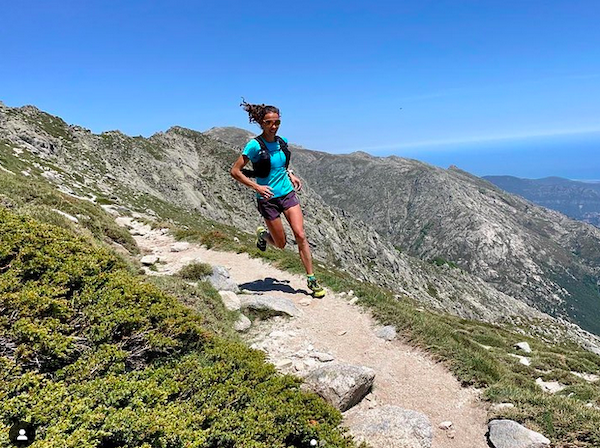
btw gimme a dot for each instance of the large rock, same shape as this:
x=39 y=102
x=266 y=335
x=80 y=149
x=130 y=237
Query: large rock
x=523 y=346
x=230 y=300
x=392 y=427
x=510 y=434
x=221 y=280
x=270 y=304
x=342 y=385
x=387 y=333
x=149 y=260
x=242 y=324
x=180 y=246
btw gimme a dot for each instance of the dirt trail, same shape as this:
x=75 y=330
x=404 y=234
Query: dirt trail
x=405 y=376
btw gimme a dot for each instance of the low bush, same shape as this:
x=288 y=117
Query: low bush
x=195 y=271
x=98 y=357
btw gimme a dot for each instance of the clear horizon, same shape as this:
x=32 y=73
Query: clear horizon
x=492 y=87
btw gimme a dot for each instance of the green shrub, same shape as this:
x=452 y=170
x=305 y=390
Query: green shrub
x=98 y=357
x=195 y=271
x=39 y=200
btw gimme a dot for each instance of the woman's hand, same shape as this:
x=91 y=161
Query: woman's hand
x=296 y=182
x=264 y=191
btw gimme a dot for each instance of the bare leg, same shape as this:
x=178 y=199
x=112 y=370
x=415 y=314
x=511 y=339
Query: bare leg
x=296 y=219
x=276 y=235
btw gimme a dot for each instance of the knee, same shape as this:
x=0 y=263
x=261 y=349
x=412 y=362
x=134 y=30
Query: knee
x=300 y=238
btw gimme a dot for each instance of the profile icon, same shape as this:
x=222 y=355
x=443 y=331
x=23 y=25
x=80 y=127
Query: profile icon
x=21 y=434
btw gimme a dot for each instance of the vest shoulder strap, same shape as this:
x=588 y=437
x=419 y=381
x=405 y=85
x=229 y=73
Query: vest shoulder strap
x=284 y=147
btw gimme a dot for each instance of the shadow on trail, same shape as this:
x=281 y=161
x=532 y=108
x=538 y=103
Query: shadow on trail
x=271 y=284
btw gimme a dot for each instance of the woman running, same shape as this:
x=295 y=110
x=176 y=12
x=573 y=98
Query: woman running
x=275 y=186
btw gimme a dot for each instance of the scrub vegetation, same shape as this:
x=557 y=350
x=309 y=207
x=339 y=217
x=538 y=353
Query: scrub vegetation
x=96 y=356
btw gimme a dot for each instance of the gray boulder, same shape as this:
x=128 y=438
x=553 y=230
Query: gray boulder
x=221 y=280
x=341 y=385
x=242 y=324
x=149 y=260
x=180 y=246
x=510 y=434
x=230 y=300
x=387 y=333
x=392 y=427
x=271 y=304
x=523 y=346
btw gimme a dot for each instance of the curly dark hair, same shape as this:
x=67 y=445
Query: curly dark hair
x=257 y=112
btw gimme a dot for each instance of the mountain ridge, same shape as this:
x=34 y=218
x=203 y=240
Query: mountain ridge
x=190 y=169
x=507 y=241
x=577 y=199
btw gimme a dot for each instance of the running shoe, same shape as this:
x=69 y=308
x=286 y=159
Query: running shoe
x=261 y=243
x=316 y=289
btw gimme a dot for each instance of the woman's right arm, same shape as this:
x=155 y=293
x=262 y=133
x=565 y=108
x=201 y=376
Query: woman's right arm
x=236 y=173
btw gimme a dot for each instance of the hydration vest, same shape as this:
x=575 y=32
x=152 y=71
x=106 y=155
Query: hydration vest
x=262 y=167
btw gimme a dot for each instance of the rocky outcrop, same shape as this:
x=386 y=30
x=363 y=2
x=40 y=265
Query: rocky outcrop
x=341 y=385
x=221 y=280
x=392 y=427
x=510 y=434
x=271 y=305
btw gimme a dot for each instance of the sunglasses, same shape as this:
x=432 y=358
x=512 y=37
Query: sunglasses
x=272 y=122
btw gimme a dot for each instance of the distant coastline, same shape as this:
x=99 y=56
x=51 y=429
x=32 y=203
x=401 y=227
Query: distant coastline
x=573 y=157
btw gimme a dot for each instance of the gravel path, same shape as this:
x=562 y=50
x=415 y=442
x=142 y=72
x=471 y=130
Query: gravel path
x=405 y=376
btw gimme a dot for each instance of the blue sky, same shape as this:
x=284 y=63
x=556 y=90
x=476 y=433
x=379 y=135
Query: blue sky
x=495 y=87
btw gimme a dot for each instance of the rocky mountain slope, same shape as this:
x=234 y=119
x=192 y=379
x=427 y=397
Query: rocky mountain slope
x=530 y=371
x=450 y=217
x=191 y=170
x=578 y=200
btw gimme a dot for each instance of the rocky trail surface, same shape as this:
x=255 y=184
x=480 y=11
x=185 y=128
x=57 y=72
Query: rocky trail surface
x=334 y=330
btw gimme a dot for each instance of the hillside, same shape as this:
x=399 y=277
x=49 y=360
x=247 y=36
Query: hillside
x=536 y=255
x=578 y=200
x=186 y=170
x=96 y=356
x=104 y=343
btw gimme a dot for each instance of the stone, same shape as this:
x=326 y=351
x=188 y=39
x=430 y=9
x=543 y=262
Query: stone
x=589 y=377
x=522 y=359
x=323 y=357
x=66 y=215
x=230 y=300
x=278 y=334
x=445 y=425
x=180 y=246
x=341 y=385
x=510 y=434
x=550 y=386
x=387 y=333
x=221 y=280
x=149 y=260
x=242 y=324
x=275 y=305
x=298 y=366
x=283 y=363
x=523 y=346
x=392 y=427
